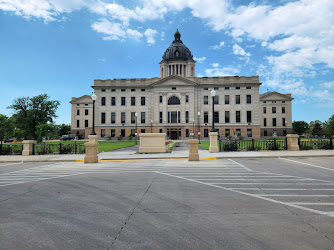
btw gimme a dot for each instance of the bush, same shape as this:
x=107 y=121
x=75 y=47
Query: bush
x=120 y=137
x=130 y=137
x=231 y=146
x=240 y=138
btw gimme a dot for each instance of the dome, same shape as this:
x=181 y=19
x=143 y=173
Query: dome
x=177 y=51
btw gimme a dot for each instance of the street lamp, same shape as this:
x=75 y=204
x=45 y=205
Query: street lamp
x=136 y=129
x=193 y=128
x=94 y=99
x=151 y=125
x=199 y=128
x=213 y=94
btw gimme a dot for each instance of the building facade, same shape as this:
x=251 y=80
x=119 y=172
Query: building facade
x=180 y=104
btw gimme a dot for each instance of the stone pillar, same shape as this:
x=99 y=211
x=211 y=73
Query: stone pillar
x=28 y=147
x=292 y=142
x=213 y=142
x=91 y=150
x=193 y=150
x=152 y=143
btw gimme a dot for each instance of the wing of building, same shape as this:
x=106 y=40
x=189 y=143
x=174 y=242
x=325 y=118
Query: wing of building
x=180 y=104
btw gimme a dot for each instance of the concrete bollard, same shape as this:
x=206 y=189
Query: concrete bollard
x=213 y=142
x=91 y=150
x=292 y=140
x=28 y=147
x=152 y=143
x=193 y=150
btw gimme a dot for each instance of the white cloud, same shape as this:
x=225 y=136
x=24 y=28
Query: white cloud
x=328 y=85
x=218 y=46
x=215 y=65
x=264 y=44
x=162 y=36
x=237 y=50
x=225 y=71
x=200 y=59
x=150 y=34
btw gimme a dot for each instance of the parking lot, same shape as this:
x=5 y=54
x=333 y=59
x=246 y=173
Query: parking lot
x=258 y=203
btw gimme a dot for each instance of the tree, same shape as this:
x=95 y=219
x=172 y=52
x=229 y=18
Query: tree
x=299 y=127
x=30 y=112
x=329 y=125
x=64 y=129
x=6 y=127
x=317 y=129
x=48 y=130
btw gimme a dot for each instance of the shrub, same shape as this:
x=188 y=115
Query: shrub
x=231 y=146
x=120 y=137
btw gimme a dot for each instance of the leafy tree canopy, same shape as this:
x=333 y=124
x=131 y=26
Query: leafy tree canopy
x=300 y=127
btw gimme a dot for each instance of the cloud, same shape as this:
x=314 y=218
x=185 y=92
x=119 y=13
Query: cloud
x=200 y=59
x=218 y=46
x=328 y=85
x=162 y=36
x=215 y=65
x=150 y=34
x=237 y=50
x=225 y=71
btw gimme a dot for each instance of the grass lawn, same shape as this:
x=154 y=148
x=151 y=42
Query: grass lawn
x=204 y=145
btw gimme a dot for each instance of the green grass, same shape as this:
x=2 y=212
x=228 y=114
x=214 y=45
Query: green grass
x=205 y=145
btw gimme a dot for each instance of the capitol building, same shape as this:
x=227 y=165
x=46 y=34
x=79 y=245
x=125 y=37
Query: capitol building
x=180 y=104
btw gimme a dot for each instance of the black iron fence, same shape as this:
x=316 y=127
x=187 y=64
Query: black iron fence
x=308 y=144
x=58 y=148
x=11 y=149
x=252 y=145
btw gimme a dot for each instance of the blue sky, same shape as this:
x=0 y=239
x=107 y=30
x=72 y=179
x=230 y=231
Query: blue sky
x=59 y=47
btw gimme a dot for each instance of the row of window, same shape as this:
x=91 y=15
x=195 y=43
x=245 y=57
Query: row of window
x=273 y=110
x=227 y=99
x=273 y=101
x=123 y=90
x=86 y=123
x=78 y=111
x=78 y=104
x=227 y=88
x=123 y=120
x=123 y=101
x=274 y=122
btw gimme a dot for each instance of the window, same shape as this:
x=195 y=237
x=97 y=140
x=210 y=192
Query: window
x=237 y=99
x=113 y=90
x=216 y=116
x=227 y=99
x=86 y=111
x=123 y=117
x=206 y=117
x=86 y=104
x=133 y=131
x=78 y=123
x=216 y=99
x=206 y=132
x=78 y=111
x=237 y=116
x=142 y=90
x=113 y=101
x=142 y=100
x=227 y=88
x=86 y=123
x=187 y=132
x=112 y=132
x=265 y=133
x=133 y=117
x=284 y=132
x=273 y=110
x=160 y=99
x=227 y=132
x=216 y=88
x=173 y=117
x=283 y=110
x=133 y=101
x=273 y=101
x=249 y=132
x=142 y=117
x=142 y=130
x=178 y=116
x=78 y=104
x=265 y=122
x=274 y=122
x=123 y=132
x=283 y=122
x=123 y=101
x=283 y=101
x=248 y=87
x=187 y=116
x=173 y=101
x=206 y=99
x=103 y=90
x=264 y=110
x=205 y=88
x=227 y=116
x=237 y=87
x=238 y=132
x=160 y=130
x=103 y=132
x=187 y=98
x=264 y=102
x=133 y=90
x=168 y=117
x=103 y=101
x=249 y=116
x=249 y=99
x=173 y=88
x=123 y=90
x=160 y=118
x=113 y=117
x=103 y=118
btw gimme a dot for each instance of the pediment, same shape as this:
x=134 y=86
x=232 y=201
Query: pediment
x=174 y=81
x=275 y=96
x=82 y=99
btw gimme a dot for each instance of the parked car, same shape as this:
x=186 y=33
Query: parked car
x=67 y=137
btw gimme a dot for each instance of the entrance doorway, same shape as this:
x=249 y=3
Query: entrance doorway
x=173 y=135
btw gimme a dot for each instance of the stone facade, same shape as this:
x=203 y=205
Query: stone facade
x=177 y=103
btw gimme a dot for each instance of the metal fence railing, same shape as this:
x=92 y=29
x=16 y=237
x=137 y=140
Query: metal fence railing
x=309 y=144
x=252 y=145
x=11 y=149
x=58 y=148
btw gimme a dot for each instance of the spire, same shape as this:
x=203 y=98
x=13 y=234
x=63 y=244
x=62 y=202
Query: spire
x=177 y=36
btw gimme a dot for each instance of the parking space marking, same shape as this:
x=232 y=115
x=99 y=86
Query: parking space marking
x=288 y=189
x=240 y=165
x=308 y=164
x=297 y=195
x=312 y=203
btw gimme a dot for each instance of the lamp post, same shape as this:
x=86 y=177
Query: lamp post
x=199 y=128
x=136 y=129
x=193 y=128
x=151 y=125
x=94 y=99
x=213 y=94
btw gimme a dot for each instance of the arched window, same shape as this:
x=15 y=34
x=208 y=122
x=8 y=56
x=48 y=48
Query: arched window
x=173 y=101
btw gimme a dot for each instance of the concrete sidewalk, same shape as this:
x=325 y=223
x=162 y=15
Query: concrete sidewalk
x=180 y=151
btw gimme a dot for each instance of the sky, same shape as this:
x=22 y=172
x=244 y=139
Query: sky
x=59 y=47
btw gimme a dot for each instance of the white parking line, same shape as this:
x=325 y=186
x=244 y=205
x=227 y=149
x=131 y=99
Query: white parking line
x=240 y=165
x=297 y=195
x=267 y=183
x=313 y=204
x=288 y=189
x=308 y=164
